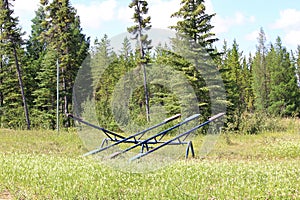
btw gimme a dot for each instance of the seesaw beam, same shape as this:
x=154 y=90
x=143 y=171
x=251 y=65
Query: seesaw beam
x=118 y=139
x=153 y=139
x=108 y=133
x=135 y=140
x=185 y=134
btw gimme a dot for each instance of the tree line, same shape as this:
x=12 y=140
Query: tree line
x=267 y=82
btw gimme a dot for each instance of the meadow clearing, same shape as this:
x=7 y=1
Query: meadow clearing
x=48 y=165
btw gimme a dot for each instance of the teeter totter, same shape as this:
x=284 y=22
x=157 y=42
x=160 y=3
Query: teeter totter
x=150 y=144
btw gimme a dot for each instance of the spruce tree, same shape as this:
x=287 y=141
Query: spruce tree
x=126 y=50
x=109 y=69
x=11 y=68
x=64 y=35
x=35 y=46
x=35 y=52
x=297 y=63
x=247 y=92
x=102 y=57
x=142 y=24
x=194 y=41
x=284 y=92
x=194 y=24
x=103 y=72
x=161 y=95
x=45 y=94
x=261 y=74
x=235 y=74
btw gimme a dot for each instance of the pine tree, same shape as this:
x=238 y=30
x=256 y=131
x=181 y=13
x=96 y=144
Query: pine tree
x=261 y=74
x=284 y=92
x=102 y=57
x=11 y=58
x=108 y=69
x=64 y=36
x=247 y=92
x=142 y=24
x=126 y=50
x=104 y=73
x=233 y=75
x=195 y=25
x=45 y=94
x=35 y=52
x=161 y=94
x=298 y=64
x=194 y=41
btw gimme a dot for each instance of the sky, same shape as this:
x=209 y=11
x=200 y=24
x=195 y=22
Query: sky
x=235 y=19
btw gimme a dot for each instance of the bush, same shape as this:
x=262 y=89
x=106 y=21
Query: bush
x=254 y=123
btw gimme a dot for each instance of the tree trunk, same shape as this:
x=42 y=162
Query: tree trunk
x=1 y=78
x=22 y=89
x=142 y=54
x=1 y=81
x=146 y=93
x=66 y=102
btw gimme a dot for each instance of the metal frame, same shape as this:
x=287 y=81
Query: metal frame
x=118 y=139
x=156 y=139
x=185 y=135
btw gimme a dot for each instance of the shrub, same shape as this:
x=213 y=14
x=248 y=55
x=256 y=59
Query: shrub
x=254 y=123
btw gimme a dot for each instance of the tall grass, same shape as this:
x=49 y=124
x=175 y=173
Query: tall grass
x=47 y=165
x=255 y=123
x=41 y=142
x=52 y=177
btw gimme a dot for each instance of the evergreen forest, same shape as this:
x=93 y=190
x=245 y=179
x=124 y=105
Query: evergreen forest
x=258 y=87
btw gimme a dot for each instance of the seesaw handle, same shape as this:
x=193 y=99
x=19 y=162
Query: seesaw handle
x=216 y=116
x=172 y=118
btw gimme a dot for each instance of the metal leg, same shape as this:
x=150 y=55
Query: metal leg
x=104 y=142
x=190 y=146
x=143 y=147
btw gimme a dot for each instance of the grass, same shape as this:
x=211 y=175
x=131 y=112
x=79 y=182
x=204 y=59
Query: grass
x=47 y=165
x=41 y=142
x=48 y=177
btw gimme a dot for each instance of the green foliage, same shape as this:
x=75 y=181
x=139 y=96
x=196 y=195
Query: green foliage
x=12 y=95
x=178 y=63
x=275 y=82
x=284 y=93
x=108 y=70
x=45 y=94
x=63 y=34
x=105 y=91
x=250 y=167
x=254 y=123
x=35 y=51
x=55 y=28
x=297 y=63
x=267 y=83
x=262 y=87
x=236 y=74
x=195 y=24
x=232 y=74
x=142 y=24
x=193 y=43
x=261 y=74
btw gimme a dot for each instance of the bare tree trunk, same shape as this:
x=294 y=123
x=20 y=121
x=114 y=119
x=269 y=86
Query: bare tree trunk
x=1 y=78
x=1 y=81
x=66 y=102
x=22 y=88
x=146 y=93
x=142 y=54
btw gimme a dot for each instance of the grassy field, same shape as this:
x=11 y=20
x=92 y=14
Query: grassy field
x=47 y=165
